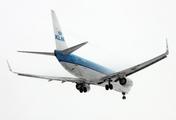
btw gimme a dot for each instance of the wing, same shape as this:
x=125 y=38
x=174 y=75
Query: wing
x=136 y=68
x=49 y=78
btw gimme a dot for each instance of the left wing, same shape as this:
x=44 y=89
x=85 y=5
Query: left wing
x=49 y=78
x=136 y=68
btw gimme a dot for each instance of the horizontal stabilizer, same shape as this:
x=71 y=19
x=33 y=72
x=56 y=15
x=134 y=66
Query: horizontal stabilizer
x=41 y=53
x=63 y=52
x=72 y=49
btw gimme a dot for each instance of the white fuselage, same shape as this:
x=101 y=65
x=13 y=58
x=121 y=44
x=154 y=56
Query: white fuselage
x=90 y=72
x=91 y=76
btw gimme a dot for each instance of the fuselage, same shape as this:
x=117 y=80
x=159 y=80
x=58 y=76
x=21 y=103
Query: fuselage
x=89 y=71
x=81 y=67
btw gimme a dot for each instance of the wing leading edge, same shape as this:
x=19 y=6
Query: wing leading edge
x=136 y=68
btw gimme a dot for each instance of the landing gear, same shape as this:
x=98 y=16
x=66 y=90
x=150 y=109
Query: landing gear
x=85 y=89
x=81 y=88
x=123 y=97
x=109 y=85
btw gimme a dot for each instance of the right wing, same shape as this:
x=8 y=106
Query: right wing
x=136 y=68
x=49 y=78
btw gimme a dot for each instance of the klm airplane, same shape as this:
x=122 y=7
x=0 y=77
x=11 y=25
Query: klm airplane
x=87 y=72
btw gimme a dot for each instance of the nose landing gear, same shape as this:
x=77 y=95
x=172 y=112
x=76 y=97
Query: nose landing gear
x=123 y=97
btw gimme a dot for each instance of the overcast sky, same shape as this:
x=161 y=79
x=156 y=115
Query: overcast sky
x=121 y=33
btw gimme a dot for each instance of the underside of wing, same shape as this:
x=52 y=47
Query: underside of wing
x=124 y=73
x=49 y=78
x=53 y=78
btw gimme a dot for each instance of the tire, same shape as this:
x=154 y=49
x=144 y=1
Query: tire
x=107 y=87
x=110 y=86
x=85 y=89
x=81 y=90
x=124 y=97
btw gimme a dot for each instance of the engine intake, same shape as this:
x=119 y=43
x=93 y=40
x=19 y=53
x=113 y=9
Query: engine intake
x=126 y=82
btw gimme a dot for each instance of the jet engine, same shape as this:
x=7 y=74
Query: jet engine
x=82 y=87
x=126 y=82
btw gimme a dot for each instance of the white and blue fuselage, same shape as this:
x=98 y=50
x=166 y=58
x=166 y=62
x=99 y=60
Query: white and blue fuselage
x=81 y=67
x=89 y=71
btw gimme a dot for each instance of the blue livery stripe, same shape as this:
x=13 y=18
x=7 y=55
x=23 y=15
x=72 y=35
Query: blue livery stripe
x=71 y=58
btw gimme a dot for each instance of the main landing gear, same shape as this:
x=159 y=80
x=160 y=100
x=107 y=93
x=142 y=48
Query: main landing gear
x=109 y=85
x=81 y=87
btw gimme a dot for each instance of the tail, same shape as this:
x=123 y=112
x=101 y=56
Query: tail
x=59 y=37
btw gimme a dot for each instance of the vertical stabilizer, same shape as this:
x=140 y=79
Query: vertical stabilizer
x=59 y=37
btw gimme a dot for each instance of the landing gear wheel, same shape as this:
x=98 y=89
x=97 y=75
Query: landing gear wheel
x=81 y=90
x=124 y=97
x=107 y=87
x=110 y=86
x=85 y=89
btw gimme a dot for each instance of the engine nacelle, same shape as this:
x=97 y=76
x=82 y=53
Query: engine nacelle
x=82 y=87
x=126 y=82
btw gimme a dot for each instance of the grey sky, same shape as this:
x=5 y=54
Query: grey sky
x=120 y=34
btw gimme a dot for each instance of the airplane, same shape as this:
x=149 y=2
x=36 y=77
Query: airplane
x=87 y=72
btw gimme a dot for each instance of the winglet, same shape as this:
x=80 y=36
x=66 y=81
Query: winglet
x=9 y=66
x=167 y=48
